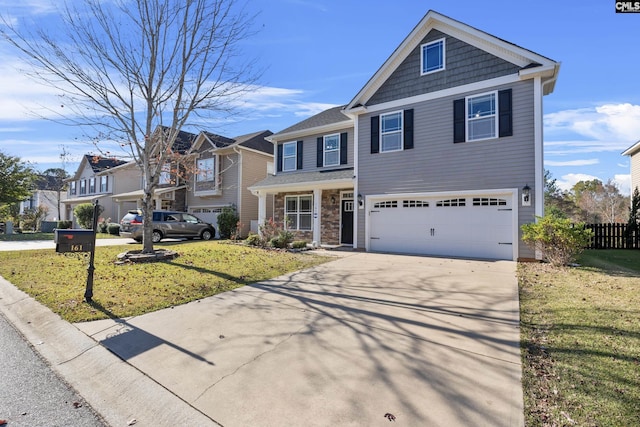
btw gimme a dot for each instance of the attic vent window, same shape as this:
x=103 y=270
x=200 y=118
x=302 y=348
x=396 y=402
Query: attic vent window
x=433 y=56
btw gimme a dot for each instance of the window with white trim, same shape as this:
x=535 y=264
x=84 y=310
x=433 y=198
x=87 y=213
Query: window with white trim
x=289 y=156
x=386 y=204
x=432 y=56
x=332 y=150
x=104 y=183
x=92 y=185
x=83 y=186
x=486 y=201
x=165 y=174
x=298 y=212
x=391 y=131
x=72 y=188
x=482 y=120
x=206 y=170
x=451 y=202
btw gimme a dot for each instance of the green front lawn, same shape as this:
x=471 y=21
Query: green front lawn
x=202 y=269
x=581 y=341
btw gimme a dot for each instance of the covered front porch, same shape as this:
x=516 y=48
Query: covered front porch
x=318 y=206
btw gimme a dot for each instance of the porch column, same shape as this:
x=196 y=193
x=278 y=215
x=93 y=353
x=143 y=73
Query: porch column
x=317 y=215
x=262 y=209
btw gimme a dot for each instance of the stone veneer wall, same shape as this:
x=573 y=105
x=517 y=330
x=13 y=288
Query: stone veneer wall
x=330 y=211
x=278 y=215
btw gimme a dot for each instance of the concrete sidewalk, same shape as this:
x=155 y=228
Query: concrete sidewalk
x=431 y=341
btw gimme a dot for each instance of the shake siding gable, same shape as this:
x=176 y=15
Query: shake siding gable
x=464 y=64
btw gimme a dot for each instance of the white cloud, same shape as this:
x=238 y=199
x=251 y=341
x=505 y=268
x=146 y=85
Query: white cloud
x=585 y=162
x=623 y=182
x=607 y=122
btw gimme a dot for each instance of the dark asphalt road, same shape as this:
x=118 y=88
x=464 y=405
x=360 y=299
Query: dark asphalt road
x=31 y=394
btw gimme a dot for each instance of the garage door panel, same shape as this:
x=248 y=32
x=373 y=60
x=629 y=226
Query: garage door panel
x=465 y=227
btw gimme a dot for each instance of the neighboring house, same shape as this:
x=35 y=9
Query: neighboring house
x=224 y=168
x=634 y=155
x=51 y=200
x=98 y=178
x=440 y=153
x=171 y=191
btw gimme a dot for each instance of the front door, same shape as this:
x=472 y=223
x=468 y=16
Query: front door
x=346 y=222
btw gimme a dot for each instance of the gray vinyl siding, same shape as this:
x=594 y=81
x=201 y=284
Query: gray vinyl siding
x=309 y=151
x=436 y=164
x=463 y=64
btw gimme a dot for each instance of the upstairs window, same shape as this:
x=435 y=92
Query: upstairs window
x=482 y=120
x=83 y=186
x=332 y=150
x=92 y=185
x=165 y=175
x=433 y=56
x=104 y=183
x=72 y=188
x=289 y=156
x=391 y=131
x=206 y=170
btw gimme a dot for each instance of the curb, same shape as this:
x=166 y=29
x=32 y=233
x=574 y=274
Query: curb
x=118 y=392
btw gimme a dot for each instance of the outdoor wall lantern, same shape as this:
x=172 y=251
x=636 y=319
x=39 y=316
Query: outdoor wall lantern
x=360 y=201
x=333 y=200
x=526 y=195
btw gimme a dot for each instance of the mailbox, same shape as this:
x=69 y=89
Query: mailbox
x=71 y=240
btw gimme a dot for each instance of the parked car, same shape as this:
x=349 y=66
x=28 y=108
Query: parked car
x=166 y=224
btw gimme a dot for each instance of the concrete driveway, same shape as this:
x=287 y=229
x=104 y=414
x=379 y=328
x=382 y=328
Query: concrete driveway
x=354 y=342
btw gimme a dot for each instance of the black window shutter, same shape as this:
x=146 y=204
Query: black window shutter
x=343 y=148
x=408 y=129
x=279 y=159
x=375 y=134
x=459 y=120
x=505 y=115
x=299 y=154
x=320 y=152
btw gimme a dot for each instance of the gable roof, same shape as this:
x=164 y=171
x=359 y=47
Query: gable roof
x=255 y=141
x=327 y=119
x=531 y=64
x=96 y=163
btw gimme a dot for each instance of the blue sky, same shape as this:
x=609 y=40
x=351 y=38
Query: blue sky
x=319 y=53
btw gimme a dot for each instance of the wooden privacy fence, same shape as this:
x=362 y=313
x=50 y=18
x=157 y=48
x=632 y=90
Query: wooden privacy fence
x=613 y=236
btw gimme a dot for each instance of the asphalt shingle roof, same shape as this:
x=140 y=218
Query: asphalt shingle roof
x=327 y=117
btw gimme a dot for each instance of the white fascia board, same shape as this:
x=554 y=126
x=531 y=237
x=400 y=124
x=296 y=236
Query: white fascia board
x=310 y=131
x=302 y=186
x=632 y=150
x=471 y=87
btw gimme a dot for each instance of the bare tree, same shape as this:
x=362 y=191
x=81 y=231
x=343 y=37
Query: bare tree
x=137 y=72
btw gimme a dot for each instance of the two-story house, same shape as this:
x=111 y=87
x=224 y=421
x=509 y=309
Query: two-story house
x=224 y=168
x=98 y=178
x=440 y=152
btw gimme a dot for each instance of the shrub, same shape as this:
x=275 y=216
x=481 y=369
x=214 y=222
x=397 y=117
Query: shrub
x=64 y=224
x=31 y=218
x=103 y=224
x=113 y=228
x=558 y=239
x=84 y=214
x=282 y=240
x=269 y=230
x=254 y=240
x=227 y=222
x=299 y=244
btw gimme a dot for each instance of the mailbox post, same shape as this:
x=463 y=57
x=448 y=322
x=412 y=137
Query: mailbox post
x=77 y=240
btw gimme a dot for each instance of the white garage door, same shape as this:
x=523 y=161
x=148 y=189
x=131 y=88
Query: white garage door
x=477 y=227
x=208 y=214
